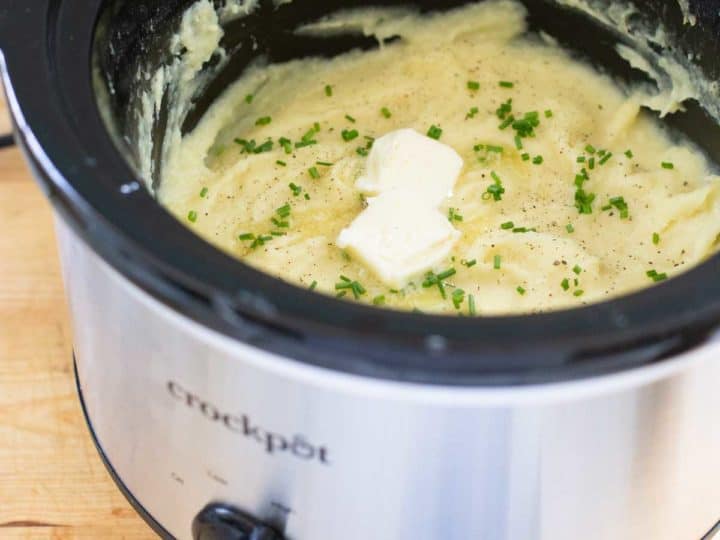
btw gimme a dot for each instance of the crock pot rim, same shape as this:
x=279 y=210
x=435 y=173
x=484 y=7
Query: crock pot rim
x=84 y=173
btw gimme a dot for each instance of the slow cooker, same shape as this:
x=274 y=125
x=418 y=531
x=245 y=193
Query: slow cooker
x=228 y=404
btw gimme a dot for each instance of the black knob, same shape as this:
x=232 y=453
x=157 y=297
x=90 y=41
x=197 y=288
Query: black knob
x=222 y=522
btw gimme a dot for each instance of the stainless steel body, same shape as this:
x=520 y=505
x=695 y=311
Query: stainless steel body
x=187 y=416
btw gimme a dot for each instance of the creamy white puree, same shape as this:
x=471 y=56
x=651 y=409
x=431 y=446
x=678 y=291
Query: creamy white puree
x=564 y=259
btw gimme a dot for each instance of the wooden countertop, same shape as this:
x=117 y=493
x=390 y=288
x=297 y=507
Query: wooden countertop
x=52 y=482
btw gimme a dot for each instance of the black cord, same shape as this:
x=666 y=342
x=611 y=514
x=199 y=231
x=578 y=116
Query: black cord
x=6 y=140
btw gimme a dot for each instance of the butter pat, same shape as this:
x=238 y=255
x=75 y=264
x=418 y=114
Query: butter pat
x=398 y=240
x=421 y=167
x=402 y=232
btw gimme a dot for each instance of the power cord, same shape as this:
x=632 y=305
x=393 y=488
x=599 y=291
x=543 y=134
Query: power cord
x=7 y=140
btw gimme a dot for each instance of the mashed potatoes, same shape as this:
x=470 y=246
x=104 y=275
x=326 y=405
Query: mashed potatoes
x=569 y=193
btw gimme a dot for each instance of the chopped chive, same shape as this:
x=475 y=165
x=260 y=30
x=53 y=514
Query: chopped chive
x=349 y=134
x=355 y=287
x=246 y=236
x=591 y=163
x=581 y=159
x=496 y=149
x=432 y=280
x=472 y=113
x=504 y=110
x=307 y=197
x=629 y=154
x=655 y=276
x=247 y=146
x=590 y=149
x=263 y=121
x=296 y=190
x=569 y=228
x=509 y=120
x=565 y=284
x=286 y=144
x=521 y=291
x=313 y=285
x=458 y=297
x=447 y=273
x=605 y=158
x=251 y=147
x=441 y=288
x=281 y=163
x=249 y=98
x=434 y=132
x=496 y=189
x=507 y=226
x=473 y=85
x=525 y=157
x=307 y=139
x=526 y=125
x=668 y=165
x=385 y=112
x=578 y=293
x=656 y=238
x=280 y=224
x=328 y=90
x=584 y=200
x=379 y=300
x=362 y=151
x=518 y=142
x=324 y=163
x=538 y=160
x=203 y=192
x=267 y=146
x=620 y=204
x=548 y=114
x=350 y=118
x=358 y=290
x=469 y=264
x=284 y=211
x=471 y=305
x=453 y=215
x=506 y=84
x=314 y=173
x=577 y=269
x=260 y=241
x=497 y=262
x=601 y=153
x=192 y=216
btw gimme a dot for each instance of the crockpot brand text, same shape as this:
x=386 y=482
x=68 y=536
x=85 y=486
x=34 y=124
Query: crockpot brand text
x=273 y=443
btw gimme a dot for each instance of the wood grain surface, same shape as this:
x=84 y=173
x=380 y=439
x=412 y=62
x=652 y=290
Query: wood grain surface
x=52 y=482
x=5 y=125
